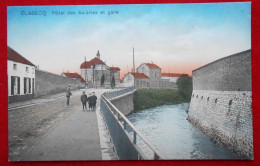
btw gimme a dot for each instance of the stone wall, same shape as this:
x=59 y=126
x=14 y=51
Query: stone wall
x=221 y=103
x=124 y=103
x=231 y=73
x=49 y=83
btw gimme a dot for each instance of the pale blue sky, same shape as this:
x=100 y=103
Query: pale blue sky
x=176 y=37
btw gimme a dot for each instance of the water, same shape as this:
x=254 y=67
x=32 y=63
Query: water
x=171 y=134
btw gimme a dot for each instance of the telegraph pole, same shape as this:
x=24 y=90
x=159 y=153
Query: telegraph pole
x=134 y=64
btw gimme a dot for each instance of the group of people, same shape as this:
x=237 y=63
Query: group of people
x=92 y=99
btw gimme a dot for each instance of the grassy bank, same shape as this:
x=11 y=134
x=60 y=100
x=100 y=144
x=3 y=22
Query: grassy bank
x=148 y=98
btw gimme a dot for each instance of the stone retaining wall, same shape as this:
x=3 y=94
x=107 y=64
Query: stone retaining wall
x=221 y=102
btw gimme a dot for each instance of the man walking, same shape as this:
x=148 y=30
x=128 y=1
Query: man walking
x=84 y=100
x=68 y=94
x=94 y=101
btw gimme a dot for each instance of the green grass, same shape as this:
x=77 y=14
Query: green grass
x=148 y=98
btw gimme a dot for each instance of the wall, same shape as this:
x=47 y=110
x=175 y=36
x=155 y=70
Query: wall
x=221 y=103
x=49 y=83
x=124 y=103
x=231 y=73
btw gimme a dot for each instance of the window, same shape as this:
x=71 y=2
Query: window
x=14 y=66
x=15 y=85
x=27 y=69
x=27 y=85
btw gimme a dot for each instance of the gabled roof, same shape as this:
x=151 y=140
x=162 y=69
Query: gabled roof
x=114 y=69
x=74 y=75
x=93 y=61
x=138 y=75
x=16 y=57
x=152 y=66
x=172 y=75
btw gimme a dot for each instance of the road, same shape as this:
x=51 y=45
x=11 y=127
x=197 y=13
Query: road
x=50 y=130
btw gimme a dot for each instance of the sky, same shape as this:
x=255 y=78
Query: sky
x=177 y=37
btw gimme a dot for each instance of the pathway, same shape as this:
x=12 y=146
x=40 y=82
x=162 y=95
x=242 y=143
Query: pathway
x=75 y=138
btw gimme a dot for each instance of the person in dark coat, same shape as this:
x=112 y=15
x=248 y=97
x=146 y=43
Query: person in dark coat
x=92 y=100
x=68 y=94
x=84 y=99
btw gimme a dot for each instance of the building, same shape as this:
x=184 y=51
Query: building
x=115 y=71
x=21 y=77
x=139 y=80
x=93 y=70
x=76 y=76
x=172 y=77
x=153 y=72
x=149 y=75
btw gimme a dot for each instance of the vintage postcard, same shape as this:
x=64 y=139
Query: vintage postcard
x=130 y=82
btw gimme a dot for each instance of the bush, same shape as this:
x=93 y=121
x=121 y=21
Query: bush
x=148 y=98
x=184 y=85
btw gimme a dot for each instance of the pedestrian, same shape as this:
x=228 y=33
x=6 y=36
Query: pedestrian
x=94 y=98
x=90 y=106
x=68 y=94
x=84 y=99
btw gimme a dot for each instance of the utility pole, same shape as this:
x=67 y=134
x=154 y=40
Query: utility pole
x=134 y=64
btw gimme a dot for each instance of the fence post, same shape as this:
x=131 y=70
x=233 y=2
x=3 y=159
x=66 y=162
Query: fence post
x=134 y=140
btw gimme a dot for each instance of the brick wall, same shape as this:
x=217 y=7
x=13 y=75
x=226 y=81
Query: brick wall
x=221 y=102
x=49 y=83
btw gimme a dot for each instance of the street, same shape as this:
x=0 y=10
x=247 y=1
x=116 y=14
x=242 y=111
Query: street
x=51 y=130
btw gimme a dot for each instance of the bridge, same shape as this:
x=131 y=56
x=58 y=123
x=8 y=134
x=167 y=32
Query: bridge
x=47 y=129
x=123 y=133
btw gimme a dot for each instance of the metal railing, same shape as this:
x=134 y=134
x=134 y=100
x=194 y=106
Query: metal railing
x=124 y=142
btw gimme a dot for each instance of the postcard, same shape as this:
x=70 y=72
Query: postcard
x=130 y=82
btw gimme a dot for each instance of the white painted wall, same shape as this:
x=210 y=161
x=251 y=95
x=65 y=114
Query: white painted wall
x=144 y=69
x=172 y=79
x=128 y=80
x=21 y=72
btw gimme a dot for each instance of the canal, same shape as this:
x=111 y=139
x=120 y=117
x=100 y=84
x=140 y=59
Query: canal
x=175 y=137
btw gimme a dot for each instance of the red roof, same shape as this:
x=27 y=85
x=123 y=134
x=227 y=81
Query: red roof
x=114 y=69
x=153 y=66
x=14 y=56
x=93 y=61
x=139 y=75
x=74 y=75
x=172 y=75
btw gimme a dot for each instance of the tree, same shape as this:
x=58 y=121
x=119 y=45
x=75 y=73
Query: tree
x=102 y=79
x=113 y=83
x=184 y=85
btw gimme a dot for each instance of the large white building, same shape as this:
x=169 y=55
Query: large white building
x=93 y=70
x=149 y=75
x=21 y=77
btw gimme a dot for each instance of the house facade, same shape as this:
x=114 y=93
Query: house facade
x=139 y=80
x=153 y=72
x=93 y=70
x=21 y=77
